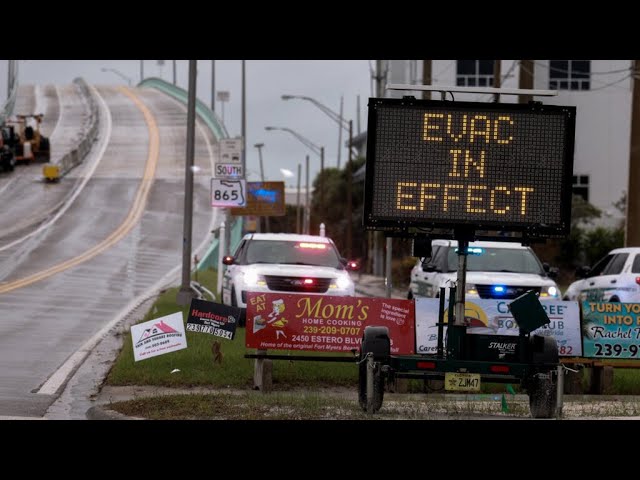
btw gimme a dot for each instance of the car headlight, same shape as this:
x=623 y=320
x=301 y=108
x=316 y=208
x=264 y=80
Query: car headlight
x=252 y=279
x=343 y=282
x=470 y=289
x=549 y=291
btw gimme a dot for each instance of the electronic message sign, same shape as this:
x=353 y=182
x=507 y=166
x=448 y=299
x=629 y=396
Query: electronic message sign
x=484 y=166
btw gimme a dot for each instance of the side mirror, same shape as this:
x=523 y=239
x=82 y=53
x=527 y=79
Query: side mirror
x=552 y=272
x=583 y=272
x=228 y=260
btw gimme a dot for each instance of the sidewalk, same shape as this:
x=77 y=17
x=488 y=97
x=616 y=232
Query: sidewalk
x=372 y=286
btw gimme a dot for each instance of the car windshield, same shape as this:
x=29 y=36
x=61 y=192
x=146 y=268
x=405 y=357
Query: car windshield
x=497 y=260
x=296 y=253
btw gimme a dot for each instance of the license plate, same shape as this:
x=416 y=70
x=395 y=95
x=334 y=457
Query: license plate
x=462 y=382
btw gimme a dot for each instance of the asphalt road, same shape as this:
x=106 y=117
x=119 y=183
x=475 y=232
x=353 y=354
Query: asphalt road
x=118 y=235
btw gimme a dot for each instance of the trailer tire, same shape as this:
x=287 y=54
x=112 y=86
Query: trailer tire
x=543 y=396
x=374 y=340
x=543 y=349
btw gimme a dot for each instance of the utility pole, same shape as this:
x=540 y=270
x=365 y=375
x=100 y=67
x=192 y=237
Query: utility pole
x=298 y=200
x=497 y=81
x=526 y=79
x=349 y=193
x=141 y=70
x=185 y=293
x=340 y=130
x=213 y=86
x=174 y=72
x=632 y=230
x=426 y=78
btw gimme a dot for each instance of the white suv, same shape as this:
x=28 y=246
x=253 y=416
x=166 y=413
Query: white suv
x=614 y=278
x=284 y=262
x=497 y=270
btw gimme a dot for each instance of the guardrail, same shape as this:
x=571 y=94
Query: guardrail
x=210 y=258
x=75 y=157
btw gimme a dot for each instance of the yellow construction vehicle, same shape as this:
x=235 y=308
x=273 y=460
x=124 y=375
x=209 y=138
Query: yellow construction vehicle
x=31 y=144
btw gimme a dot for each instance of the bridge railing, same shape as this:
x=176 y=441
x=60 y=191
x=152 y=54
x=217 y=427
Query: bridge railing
x=213 y=122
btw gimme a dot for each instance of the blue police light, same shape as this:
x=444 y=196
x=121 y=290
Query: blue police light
x=473 y=250
x=498 y=289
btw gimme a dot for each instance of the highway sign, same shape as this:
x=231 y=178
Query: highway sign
x=263 y=199
x=488 y=166
x=229 y=170
x=228 y=193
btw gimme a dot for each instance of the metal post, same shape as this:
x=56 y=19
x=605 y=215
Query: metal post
x=560 y=391
x=213 y=86
x=439 y=350
x=259 y=147
x=185 y=294
x=141 y=70
x=221 y=249
x=349 y=193
x=307 y=207
x=298 y=200
x=244 y=115
x=463 y=244
x=387 y=269
x=9 y=77
x=370 y=369
x=322 y=230
x=174 y=73
x=340 y=131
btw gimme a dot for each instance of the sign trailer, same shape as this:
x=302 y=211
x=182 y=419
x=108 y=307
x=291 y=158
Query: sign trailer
x=463 y=170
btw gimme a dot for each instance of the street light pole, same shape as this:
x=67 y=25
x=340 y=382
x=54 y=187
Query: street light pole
x=259 y=147
x=141 y=70
x=340 y=131
x=174 y=72
x=185 y=294
x=117 y=72
x=307 y=213
x=213 y=86
x=298 y=200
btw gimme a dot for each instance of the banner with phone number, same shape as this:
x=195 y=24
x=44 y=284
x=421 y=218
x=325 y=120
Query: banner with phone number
x=323 y=323
x=611 y=330
x=486 y=316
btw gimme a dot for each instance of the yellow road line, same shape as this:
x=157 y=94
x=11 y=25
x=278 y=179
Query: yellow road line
x=132 y=218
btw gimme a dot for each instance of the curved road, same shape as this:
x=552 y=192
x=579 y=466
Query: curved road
x=120 y=235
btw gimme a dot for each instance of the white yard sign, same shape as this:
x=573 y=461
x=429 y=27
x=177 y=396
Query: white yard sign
x=159 y=336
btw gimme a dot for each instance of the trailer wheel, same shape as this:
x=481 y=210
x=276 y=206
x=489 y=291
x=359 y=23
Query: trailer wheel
x=374 y=340
x=543 y=396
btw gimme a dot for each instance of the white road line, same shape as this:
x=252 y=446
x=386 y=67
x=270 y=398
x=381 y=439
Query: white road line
x=103 y=146
x=60 y=376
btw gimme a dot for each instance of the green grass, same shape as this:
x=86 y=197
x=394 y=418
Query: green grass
x=196 y=361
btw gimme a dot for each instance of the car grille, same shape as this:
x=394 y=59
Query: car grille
x=511 y=292
x=296 y=284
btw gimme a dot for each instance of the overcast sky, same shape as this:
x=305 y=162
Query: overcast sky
x=267 y=80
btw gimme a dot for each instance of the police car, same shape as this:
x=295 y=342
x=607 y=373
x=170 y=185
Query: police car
x=495 y=270
x=614 y=278
x=288 y=263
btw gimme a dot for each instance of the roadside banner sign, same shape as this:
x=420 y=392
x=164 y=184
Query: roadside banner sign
x=325 y=323
x=213 y=318
x=159 y=336
x=611 y=330
x=493 y=317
